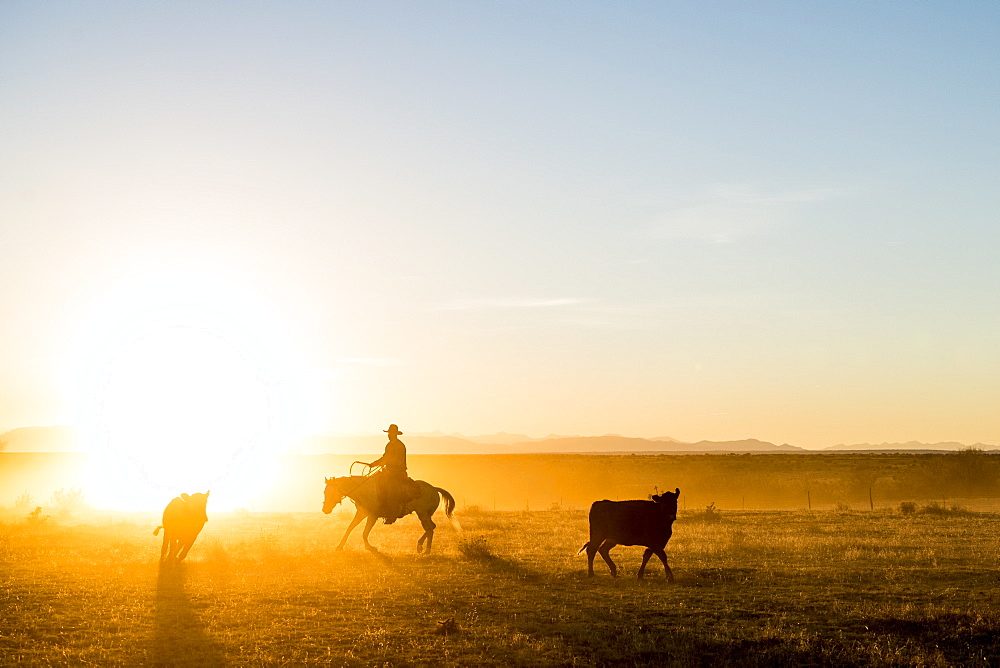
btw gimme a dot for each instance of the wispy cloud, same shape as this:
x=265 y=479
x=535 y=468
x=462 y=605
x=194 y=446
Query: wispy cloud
x=493 y=303
x=729 y=213
x=369 y=361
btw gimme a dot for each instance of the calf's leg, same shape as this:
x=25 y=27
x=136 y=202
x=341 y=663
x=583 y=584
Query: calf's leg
x=186 y=545
x=645 y=558
x=666 y=567
x=591 y=548
x=604 y=550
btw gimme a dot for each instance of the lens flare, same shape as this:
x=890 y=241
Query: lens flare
x=184 y=393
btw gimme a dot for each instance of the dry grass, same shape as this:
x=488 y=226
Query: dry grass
x=760 y=588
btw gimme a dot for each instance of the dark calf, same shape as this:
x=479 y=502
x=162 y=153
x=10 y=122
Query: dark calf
x=646 y=523
x=183 y=519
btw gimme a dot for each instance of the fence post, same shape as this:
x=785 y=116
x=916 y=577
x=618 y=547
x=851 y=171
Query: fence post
x=871 y=503
x=809 y=500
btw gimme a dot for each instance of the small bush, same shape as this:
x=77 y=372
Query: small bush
x=36 y=517
x=69 y=501
x=907 y=507
x=23 y=502
x=941 y=510
x=842 y=507
x=710 y=514
x=475 y=548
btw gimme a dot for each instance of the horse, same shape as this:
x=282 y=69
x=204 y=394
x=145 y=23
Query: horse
x=361 y=490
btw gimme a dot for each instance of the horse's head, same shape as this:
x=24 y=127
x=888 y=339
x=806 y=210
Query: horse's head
x=331 y=496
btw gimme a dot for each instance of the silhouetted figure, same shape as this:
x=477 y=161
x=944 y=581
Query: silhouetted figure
x=647 y=523
x=393 y=485
x=183 y=519
x=363 y=491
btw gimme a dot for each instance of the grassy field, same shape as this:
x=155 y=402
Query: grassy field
x=754 y=588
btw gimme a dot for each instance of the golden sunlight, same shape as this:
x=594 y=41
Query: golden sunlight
x=183 y=393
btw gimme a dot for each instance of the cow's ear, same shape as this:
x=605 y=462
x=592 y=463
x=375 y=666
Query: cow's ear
x=677 y=491
x=208 y=492
x=185 y=496
x=325 y=479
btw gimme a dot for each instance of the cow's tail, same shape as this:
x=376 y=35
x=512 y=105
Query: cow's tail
x=156 y=531
x=585 y=546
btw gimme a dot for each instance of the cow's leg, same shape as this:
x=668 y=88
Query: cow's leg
x=186 y=545
x=604 y=550
x=428 y=524
x=364 y=534
x=666 y=567
x=166 y=546
x=355 y=521
x=172 y=553
x=591 y=551
x=645 y=558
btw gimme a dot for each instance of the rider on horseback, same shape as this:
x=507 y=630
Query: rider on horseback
x=391 y=480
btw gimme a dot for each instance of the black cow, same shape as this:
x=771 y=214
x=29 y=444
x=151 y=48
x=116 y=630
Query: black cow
x=183 y=519
x=647 y=523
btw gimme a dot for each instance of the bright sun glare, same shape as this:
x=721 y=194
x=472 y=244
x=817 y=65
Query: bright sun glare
x=181 y=379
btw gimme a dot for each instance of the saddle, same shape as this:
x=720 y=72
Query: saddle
x=394 y=494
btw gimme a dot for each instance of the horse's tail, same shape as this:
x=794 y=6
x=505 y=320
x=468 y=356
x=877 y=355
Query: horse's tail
x=585 y=546
x=449 y=501
x=156 y=531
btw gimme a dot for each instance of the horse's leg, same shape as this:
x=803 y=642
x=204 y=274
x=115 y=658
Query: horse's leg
x=428 y=524
x=166 y=546
x=364 y=534
x=645 y=558
x=355 y=521
x=604 y=550
x=666 y=567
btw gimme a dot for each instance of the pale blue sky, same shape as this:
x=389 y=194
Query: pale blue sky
x=703 y=220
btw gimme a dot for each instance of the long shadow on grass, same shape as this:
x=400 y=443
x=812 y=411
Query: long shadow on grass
x=477 y=551
x=179 y=636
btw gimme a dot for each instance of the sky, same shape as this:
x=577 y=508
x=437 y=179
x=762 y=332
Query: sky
x=706 y=220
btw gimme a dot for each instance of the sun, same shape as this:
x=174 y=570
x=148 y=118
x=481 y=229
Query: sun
x=184 y=392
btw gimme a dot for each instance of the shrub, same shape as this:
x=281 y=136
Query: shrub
x=710 y=514
x=907 y=507
x=23 y=502
x=842 y=507
x=941 y=510
x=475 y=548
x=36 y=517
x=68 y=501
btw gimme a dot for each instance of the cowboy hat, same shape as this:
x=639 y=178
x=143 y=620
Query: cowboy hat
x=393 y=429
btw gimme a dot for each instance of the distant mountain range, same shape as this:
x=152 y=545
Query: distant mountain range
x=40 y=439
x=64 y=439
x=950 y=446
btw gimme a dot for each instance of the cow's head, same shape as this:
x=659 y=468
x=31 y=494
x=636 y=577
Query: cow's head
x=669 y=500
x=198 y=503
x=331 y=495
